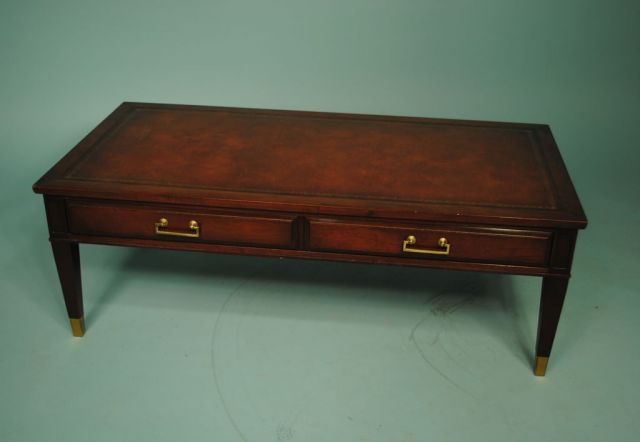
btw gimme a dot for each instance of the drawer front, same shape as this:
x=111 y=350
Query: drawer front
x=504 y=246
x=146 y=222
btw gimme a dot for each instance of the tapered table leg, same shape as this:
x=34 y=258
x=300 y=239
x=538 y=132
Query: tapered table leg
x=67 y=256
x=551 y=301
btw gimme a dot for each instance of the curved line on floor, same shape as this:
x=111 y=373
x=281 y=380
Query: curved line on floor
x=213 y=356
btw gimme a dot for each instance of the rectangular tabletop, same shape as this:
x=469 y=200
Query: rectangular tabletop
x=323 y=163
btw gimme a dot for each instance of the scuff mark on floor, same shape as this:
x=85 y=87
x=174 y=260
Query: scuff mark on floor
x=213 y=356
x=440 y=372
x=284 y=432
x=446 y=308
x=440 y=309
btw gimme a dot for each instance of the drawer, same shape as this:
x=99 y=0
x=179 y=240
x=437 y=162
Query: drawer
x=175 y=224
x=496 y=245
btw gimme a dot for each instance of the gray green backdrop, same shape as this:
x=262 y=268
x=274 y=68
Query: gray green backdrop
x=197 y=347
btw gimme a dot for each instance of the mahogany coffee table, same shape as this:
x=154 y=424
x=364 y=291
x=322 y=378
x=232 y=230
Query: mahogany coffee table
x=464 y=195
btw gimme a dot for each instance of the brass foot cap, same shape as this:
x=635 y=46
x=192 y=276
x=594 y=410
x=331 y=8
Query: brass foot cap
x=77 y=326
x=541 y=365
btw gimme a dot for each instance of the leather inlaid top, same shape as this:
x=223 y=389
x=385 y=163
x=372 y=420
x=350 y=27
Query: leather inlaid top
x=381 y=163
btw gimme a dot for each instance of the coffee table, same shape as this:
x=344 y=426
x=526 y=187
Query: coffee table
x=462 y=195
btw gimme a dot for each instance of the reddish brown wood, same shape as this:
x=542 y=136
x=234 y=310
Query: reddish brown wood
x=527 y=247
x=55 y=208
x=562 y=253
x=320 y=186
x=66 y=255
x=474 y=266
x=139 y=222
x=336 y=164
x=554 y=290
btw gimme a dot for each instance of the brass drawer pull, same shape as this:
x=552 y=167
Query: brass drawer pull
x=163 y=223
x=442 y=243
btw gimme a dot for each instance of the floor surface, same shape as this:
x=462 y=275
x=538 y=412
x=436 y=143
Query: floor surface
x=200 y=347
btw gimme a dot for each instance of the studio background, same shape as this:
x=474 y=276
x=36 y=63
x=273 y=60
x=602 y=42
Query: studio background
x=187 y=346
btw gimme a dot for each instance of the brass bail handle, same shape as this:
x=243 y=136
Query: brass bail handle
x=444 y=245
x=163 y=223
